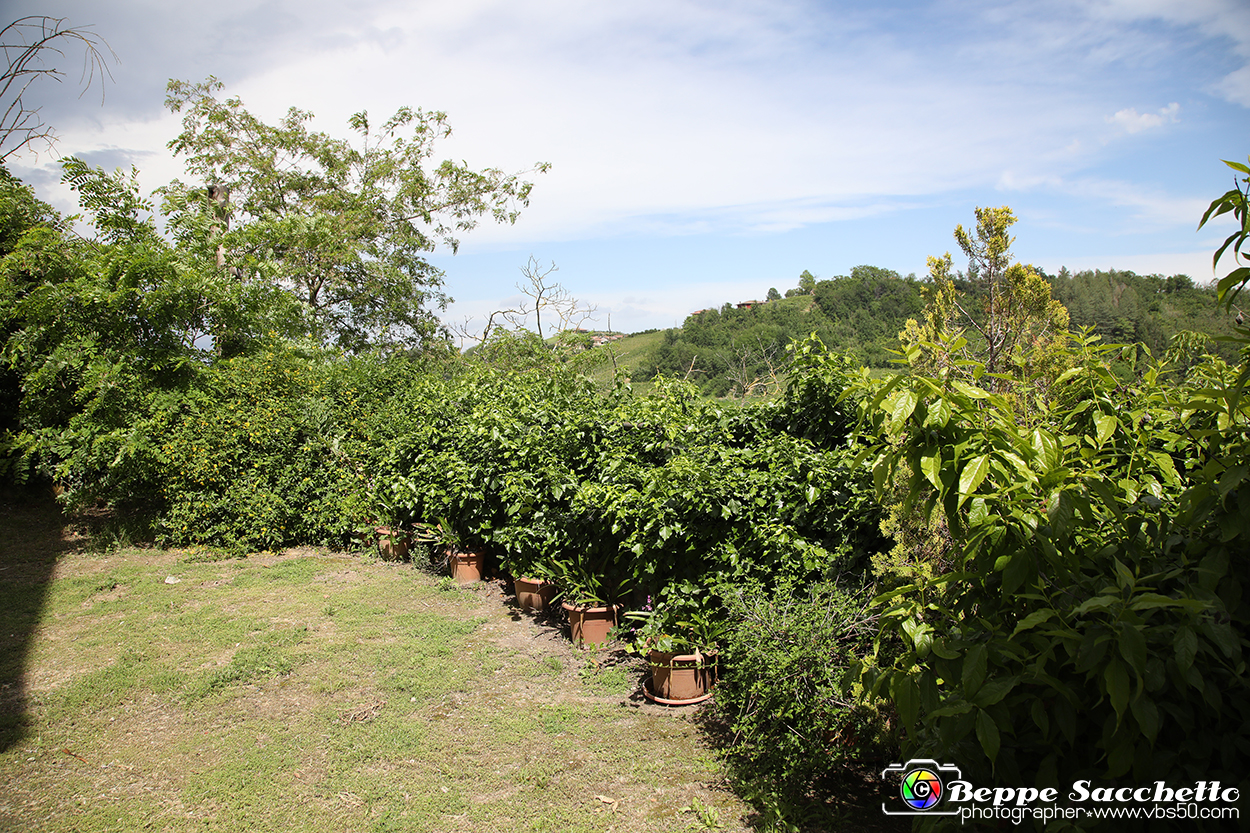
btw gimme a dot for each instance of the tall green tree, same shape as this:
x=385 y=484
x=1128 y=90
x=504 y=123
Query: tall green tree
x=343 y=225
x=94 y=331
x=1008 y=322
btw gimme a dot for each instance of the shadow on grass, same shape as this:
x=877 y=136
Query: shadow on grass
x=33 y=535
x=848 y=799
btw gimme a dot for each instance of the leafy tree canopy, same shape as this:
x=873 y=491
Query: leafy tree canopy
x=344 y=225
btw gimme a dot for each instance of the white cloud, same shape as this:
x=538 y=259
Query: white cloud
x=1223 y=20
x=746 y=117
x=1236 y=86
x=1135 y=122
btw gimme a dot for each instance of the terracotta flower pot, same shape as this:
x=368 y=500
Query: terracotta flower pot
x=680 y=679
x=533 y=593
x=591 y=624
x=466 y=567
x=392 y=544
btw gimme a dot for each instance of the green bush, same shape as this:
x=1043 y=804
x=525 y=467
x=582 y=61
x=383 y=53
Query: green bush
x=267 y=454
x=1092 y=621
x=794 y=714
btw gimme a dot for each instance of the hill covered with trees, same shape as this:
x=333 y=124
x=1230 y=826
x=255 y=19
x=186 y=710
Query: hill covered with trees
x=739 y=348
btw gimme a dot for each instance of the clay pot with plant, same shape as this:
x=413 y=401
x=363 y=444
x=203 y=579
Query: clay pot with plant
x=680 y=637
x=592 y=586
x=465 y=561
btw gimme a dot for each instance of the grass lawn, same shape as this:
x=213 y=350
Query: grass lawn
x=315 y=691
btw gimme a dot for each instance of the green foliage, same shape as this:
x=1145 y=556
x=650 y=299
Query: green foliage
x=1092 y=621
x=734 y=351
x=1009 y=325
x=98 y=335
x=866 y=311
x=665 y=494
x=1236 y=201
x=248 y=464
x=795 y=719
x=344 y=227
x=280 y=448
x=1126 y=308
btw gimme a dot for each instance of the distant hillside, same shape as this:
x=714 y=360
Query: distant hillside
x=728 y=350
x=725 y=350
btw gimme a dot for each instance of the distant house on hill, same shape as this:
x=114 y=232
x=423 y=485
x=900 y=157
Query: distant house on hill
x=749 y=304
x=600 y=339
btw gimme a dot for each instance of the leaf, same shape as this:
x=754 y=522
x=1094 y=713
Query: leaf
x=1059 y=512
x=1104 y=427
x=1152 y=601
x=972 y=476
x=904 y=405
x=1032 y=620
x=1096 y=603
x=1120 y=757
x=1108 y=499
x=1133 y=648
x=1223 y=637
x=1066 y=375
x=931 y=465
x=974 y=669
x=939 y=648
x=994 y=691
x=906 y=696
x=1018 y=571
x=1047 y=448
x=1040 y=718
x=1147 y=715
x=987 y=733
x=1231 y=477
x=1166 y=467
x=1065 y=716
x=950 y=710
x=978 y=511
x=1116 y=678
x=970 y=391
x=939 y=415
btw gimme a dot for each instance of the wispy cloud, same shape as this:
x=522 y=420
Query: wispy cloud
x=1135 y=122
x=1217 y=20
x=747 y=119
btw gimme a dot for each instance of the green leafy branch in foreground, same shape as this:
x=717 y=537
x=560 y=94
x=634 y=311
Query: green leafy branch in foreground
x=1092 y=622
x=1238 y=202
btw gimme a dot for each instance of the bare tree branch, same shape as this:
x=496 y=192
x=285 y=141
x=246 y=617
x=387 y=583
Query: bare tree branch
x=744 y=374
x=26 y=43
x=547 y=296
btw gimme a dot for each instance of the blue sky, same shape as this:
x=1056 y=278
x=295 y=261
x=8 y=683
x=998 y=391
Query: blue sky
x=703 y=152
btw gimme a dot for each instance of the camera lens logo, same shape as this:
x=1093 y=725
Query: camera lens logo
x=921 y=789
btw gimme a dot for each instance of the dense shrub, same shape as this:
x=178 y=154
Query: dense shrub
x=1092 y=623
x=794 y=719
x=254 y=460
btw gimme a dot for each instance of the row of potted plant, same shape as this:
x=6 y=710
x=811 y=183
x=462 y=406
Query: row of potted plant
x=678 y=635
x=618 y=499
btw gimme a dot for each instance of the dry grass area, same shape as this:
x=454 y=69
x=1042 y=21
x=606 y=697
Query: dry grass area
x=315 y=691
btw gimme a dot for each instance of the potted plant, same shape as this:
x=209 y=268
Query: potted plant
x=534 y=594
x=524 y=558
x=466 y=563
x=590 y=596
x=680 y=638
x=392 y=542
x=389 y=536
